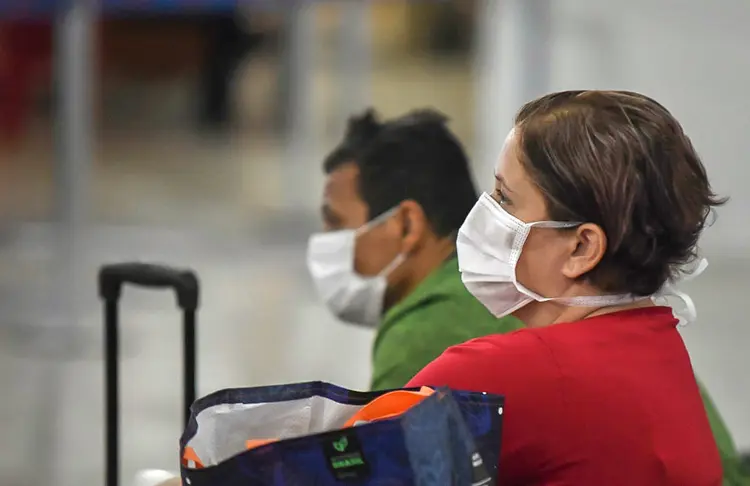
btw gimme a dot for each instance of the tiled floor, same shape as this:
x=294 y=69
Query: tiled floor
x=169 y=197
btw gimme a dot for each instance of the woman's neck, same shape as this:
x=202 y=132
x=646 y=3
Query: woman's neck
x=540 y=314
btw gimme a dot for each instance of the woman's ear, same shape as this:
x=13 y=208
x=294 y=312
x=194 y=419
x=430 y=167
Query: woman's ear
x=587 y=249
x=413 y=225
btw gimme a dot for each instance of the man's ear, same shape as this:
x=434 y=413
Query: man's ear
x=587 y=248
x=414 y=225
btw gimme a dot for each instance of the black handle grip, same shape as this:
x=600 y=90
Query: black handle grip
x=184 y=282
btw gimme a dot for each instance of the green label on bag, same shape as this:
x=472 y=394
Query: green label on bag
x=344 y=455
x=341 y=444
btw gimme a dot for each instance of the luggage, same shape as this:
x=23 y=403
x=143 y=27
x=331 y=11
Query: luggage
x=297 y=434
x=112 y=278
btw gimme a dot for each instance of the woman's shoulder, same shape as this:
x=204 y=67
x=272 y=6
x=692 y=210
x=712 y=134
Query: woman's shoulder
x=520 y=340
x=516 y=356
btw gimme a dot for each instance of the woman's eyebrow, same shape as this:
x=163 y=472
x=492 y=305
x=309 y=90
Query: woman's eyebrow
x=500 y=180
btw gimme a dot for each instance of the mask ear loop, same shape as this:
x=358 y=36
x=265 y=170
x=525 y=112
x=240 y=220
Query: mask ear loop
x=690 y=312
x=382 y=218
x=400 y=258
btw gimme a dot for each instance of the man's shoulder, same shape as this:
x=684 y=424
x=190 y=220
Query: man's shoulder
x=450 y=303
x=437 y=321
x=442 y=313
x=442 y=285
x=443 y=298
x=421 y=333
x=448 y=318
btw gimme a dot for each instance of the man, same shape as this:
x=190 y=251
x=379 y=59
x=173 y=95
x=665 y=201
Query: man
x=396 y=193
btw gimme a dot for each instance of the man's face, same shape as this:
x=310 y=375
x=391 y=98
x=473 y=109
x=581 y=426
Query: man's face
x=343 y=208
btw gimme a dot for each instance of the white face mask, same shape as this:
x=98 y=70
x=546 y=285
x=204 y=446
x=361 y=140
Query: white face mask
x=489 y=245
x=352 y=297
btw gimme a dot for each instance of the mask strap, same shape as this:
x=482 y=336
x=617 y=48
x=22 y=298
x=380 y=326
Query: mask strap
x=700 y=268
x=582 y=300
x=690 y=313
x=400 y=258
x=598 y=300
x=376 y=221
x=370 y=225
x=554 y=224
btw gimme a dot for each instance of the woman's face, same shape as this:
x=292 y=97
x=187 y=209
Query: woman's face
x=547 y=252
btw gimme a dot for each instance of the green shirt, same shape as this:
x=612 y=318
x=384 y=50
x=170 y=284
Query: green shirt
x=441 y=313
x=438 y=314
x=734 y=471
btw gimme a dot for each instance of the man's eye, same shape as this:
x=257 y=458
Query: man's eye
x=330 y=222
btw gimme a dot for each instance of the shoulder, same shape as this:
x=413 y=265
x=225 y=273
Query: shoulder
x=443 y=308
x=442 y=320
x=407 y=342
x=494 y=364
x=443 y=287
x=421 y=332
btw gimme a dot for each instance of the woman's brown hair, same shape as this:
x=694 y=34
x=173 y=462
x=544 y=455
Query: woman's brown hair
x=619 y=160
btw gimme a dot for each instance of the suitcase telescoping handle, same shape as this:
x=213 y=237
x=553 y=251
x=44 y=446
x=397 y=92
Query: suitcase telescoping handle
x=112 y=278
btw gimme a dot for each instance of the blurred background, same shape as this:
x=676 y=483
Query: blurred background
x=193 y=133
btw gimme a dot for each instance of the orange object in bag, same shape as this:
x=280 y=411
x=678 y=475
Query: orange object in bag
x=389 y=405
x=189 y=456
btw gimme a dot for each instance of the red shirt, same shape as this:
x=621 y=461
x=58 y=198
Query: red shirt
x=610 y=400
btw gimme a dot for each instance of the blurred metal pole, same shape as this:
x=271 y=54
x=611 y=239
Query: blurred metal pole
x=513 y=63
x=74 y=64
x=74 y=45
x=355 y=58
x=299 y=67
x=60 y=332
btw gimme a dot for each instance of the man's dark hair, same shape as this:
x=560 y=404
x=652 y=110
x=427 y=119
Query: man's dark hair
x=360 y=132
x=414 y=157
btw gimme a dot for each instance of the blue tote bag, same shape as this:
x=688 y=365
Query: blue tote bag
x=449 y=438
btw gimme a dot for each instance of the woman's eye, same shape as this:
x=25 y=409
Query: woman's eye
x=501 y=197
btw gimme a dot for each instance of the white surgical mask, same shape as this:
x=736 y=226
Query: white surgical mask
x=489 y=245
x=353 y=298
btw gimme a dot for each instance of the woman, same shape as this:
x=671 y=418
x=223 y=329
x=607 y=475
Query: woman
x=598 y=205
